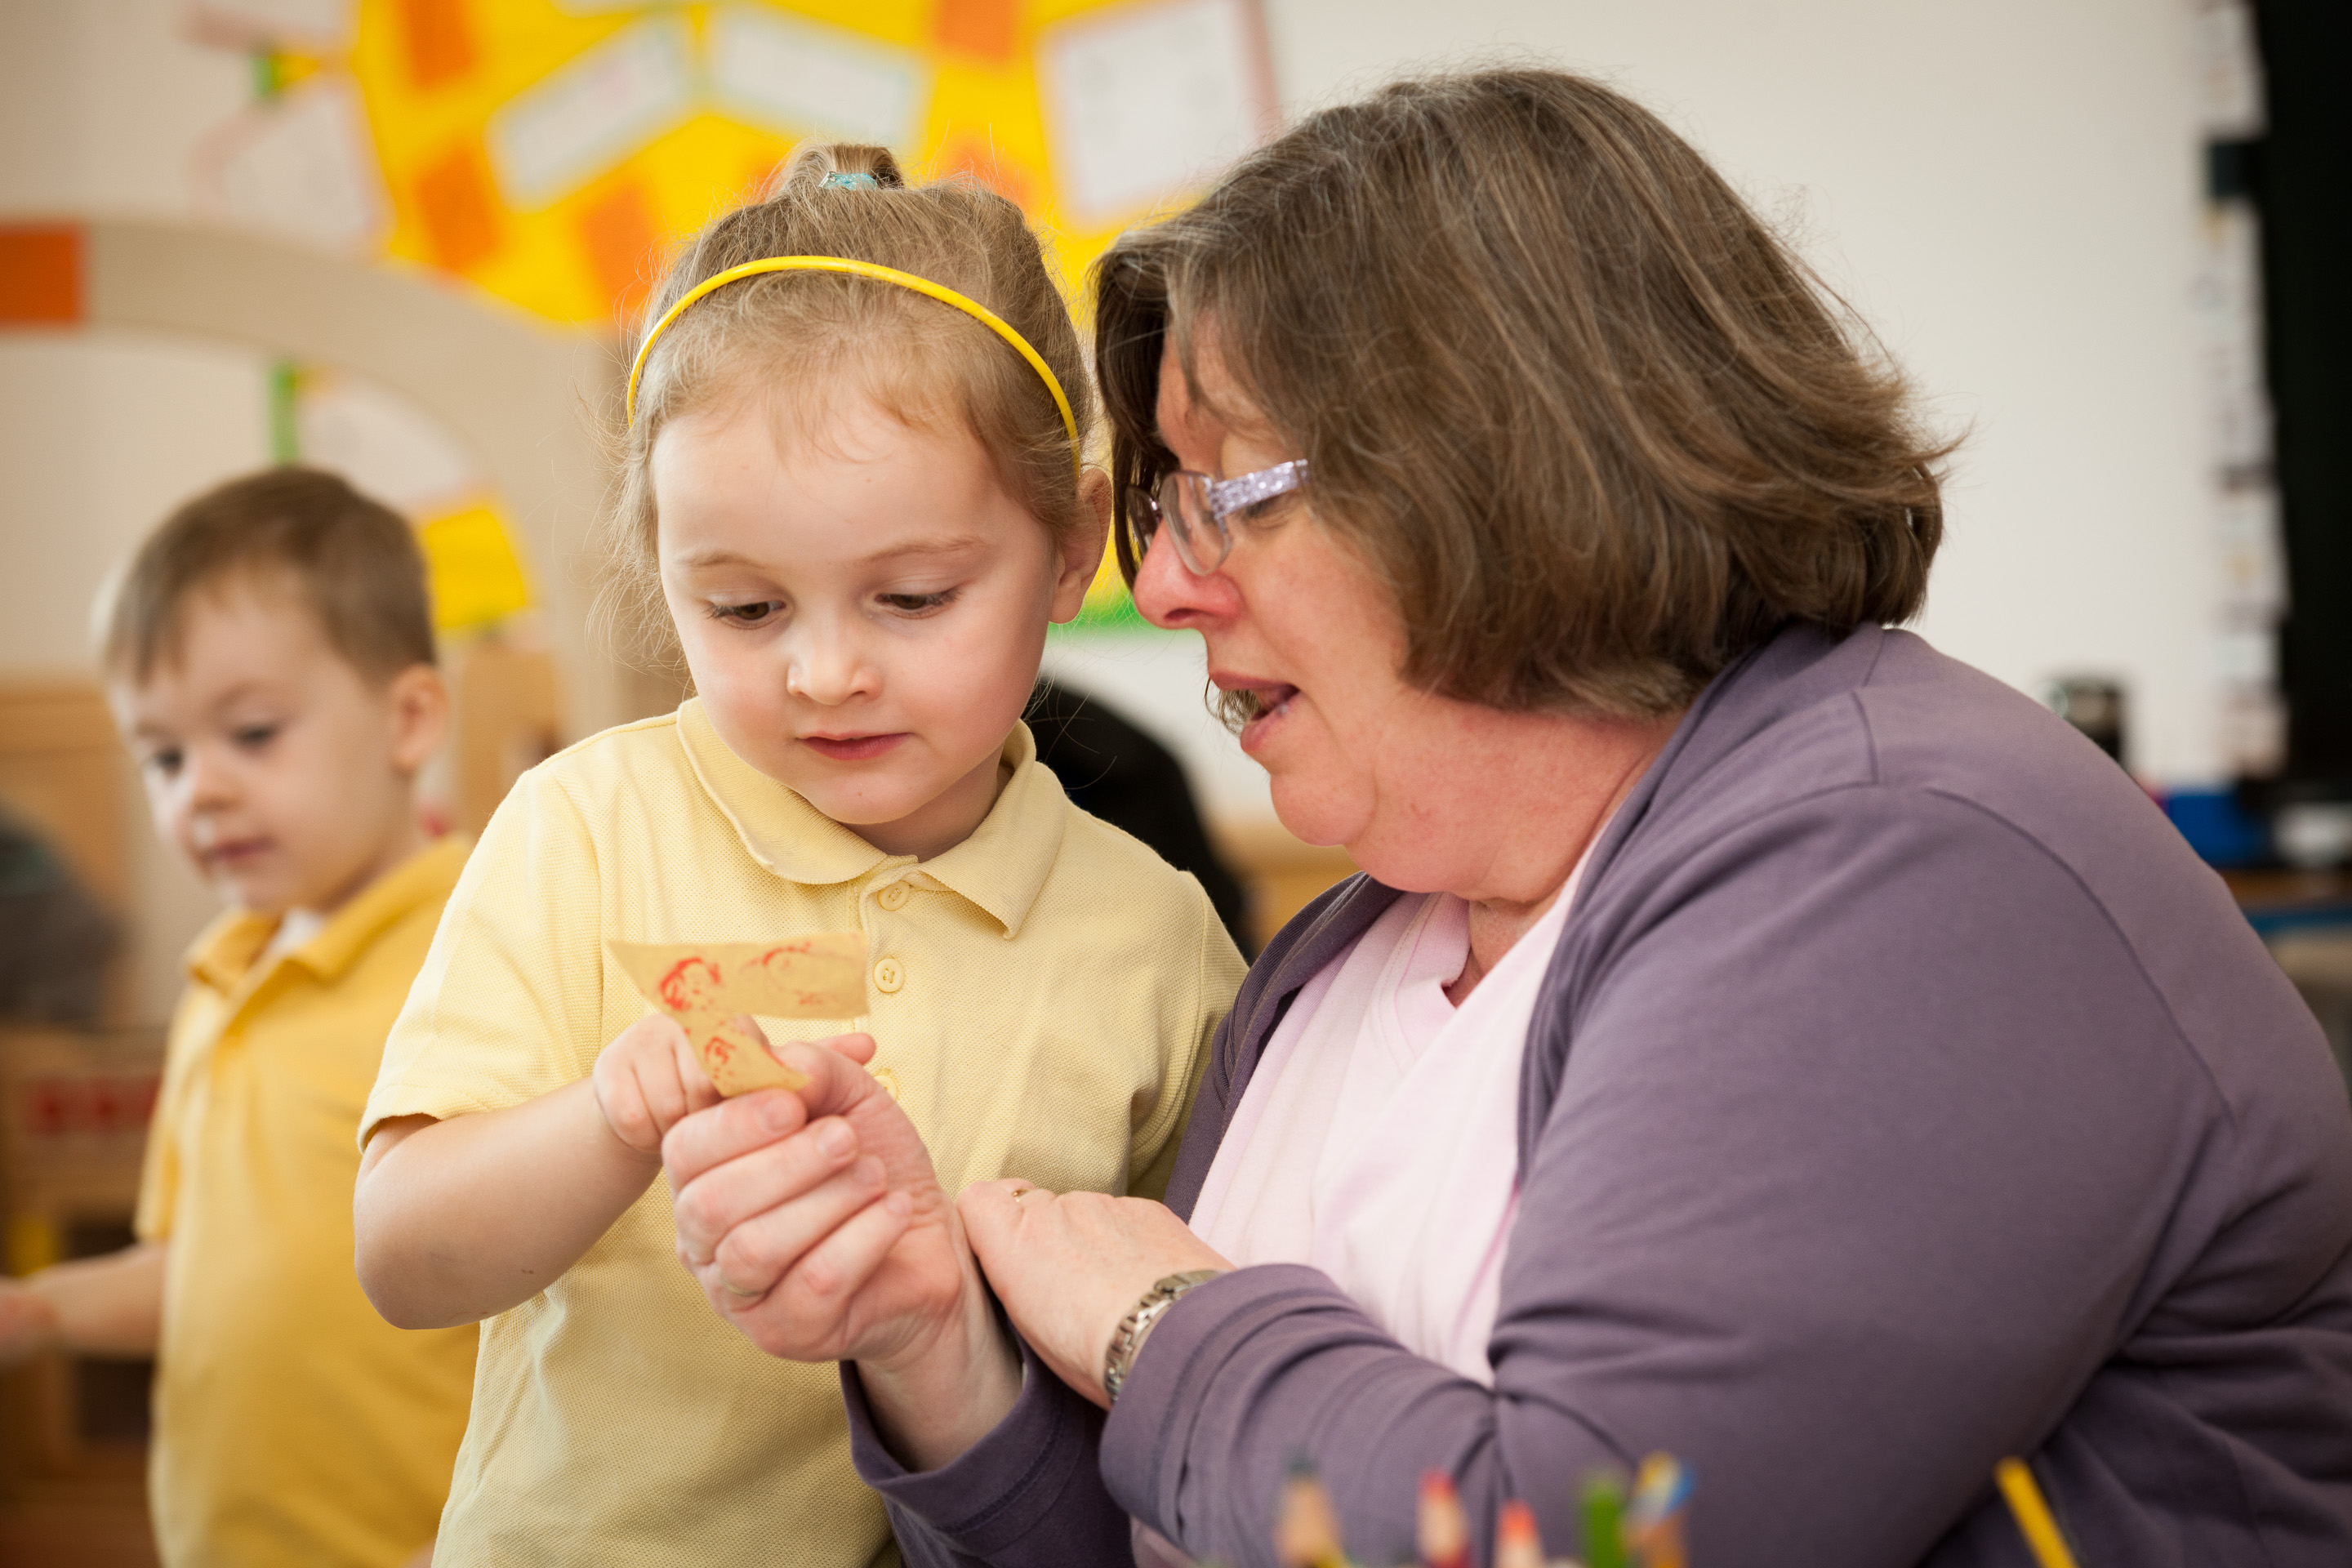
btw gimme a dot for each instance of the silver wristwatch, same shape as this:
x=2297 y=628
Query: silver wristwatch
x=1139 y=1321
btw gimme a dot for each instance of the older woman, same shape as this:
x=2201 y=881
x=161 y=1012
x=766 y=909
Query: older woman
x=1755 y=1036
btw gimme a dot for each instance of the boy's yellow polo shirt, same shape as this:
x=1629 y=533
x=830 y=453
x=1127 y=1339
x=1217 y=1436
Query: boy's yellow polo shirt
x=1043 y=997
x=293 y=1425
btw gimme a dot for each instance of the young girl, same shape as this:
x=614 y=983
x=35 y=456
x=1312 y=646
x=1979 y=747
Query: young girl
x=859 y=498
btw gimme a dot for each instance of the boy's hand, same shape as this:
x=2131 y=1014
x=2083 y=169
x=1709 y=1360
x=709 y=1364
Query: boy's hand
x=648 y=1081
x=29 y=1323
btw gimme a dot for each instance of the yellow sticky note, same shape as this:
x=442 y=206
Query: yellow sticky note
x=706 y=985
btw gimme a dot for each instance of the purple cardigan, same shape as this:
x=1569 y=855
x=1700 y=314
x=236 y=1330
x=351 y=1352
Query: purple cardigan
x=1903 y=1094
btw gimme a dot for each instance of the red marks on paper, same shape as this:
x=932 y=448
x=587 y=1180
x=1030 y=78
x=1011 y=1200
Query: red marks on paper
x=691 y=985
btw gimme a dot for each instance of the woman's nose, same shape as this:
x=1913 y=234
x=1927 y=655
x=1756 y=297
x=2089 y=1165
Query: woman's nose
x=1170 y=593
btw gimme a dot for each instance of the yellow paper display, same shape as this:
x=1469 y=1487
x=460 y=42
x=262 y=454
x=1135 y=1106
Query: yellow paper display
x=706 y=985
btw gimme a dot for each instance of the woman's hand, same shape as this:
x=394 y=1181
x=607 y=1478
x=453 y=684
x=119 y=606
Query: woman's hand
x=815 y=1223
x=1069 y=1266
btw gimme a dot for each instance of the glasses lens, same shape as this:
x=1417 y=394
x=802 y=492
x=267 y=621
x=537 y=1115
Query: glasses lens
x=1200 y=541
x=1142 y=521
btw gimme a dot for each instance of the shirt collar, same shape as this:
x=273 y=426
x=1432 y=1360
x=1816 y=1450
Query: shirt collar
x=224 y=955
x=1001 y=869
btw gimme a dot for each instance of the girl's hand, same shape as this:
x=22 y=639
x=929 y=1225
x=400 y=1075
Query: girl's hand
x=1069 y=1266
x=815 y=1223
x=649 y=1079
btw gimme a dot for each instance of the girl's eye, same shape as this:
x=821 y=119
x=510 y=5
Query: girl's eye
x=757 y=613
x=917 y=604
x=253 y=737
x=165 y=762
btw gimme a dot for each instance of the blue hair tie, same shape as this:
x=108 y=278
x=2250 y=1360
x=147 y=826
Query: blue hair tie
x=847 y=180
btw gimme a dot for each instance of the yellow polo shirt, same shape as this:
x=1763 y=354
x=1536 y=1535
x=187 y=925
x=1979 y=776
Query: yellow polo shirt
x=293 y=1425
x=1043 y=997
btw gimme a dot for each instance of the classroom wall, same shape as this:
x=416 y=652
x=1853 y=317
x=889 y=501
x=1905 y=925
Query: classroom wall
x=2006 y=191
x=2009 y=192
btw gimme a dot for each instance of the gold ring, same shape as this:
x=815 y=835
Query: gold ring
x=734 y=1289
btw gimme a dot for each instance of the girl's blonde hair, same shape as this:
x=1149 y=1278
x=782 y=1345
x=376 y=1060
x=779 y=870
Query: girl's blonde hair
x=804 y=337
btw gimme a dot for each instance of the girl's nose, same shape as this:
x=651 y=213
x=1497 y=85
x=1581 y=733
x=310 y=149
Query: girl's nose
x=826 y=667
x=1170 y=593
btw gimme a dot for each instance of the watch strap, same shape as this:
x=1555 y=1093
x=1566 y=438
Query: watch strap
x=1137 y=1324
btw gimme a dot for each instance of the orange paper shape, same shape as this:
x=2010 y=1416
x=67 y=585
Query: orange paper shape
x=707 y=986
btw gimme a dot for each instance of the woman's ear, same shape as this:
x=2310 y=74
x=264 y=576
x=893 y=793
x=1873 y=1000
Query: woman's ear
x=419 y=700
x=1079 y=553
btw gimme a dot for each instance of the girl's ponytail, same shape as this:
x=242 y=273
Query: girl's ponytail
x=814 y=166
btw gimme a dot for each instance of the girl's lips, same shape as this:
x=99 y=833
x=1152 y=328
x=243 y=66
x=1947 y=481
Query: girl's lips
x=851 y=748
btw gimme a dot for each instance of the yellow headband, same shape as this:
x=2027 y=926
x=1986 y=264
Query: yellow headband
x=946 y=296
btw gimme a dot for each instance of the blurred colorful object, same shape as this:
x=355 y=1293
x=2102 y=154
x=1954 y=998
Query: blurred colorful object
x=550 y=152
x=471 y=562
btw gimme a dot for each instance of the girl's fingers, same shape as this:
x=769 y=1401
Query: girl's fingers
x=754 y=1255
x=663 y=1095
x=623 y=1104
x=722 y=1200
x=693 y=1081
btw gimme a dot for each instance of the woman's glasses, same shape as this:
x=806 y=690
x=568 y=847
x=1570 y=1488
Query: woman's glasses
x=1195 y=506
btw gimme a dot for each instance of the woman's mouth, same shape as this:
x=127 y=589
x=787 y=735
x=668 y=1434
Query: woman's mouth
x=851 y=748
x=1253 y=707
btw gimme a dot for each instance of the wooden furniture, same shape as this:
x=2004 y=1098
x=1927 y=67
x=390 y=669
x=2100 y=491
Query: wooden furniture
x=74 y=1108
x=510 y=719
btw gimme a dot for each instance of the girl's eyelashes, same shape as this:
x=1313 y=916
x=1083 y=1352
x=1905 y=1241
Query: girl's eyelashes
x=917 y=604
x=760 y=612
x=755 y=613
x=253 y=737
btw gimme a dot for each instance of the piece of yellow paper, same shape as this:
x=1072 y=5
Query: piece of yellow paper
x=706 y=985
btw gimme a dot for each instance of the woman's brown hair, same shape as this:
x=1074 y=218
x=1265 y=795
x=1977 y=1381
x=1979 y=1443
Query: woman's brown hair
x=807 y=337
x=1599 y=428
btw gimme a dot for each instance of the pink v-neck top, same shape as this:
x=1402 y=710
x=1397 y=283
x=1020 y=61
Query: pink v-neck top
x=1377 y=1139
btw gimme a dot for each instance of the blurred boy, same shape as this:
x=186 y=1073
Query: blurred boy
x=269 y=658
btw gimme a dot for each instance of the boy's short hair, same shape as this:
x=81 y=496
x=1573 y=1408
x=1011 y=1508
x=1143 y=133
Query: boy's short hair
x=1595 y=424
x=353 y=560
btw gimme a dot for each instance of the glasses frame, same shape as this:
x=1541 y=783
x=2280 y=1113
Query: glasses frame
x=1198 y=504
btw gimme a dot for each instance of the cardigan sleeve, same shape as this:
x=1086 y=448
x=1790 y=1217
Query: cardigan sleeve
x=1030 y=1494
